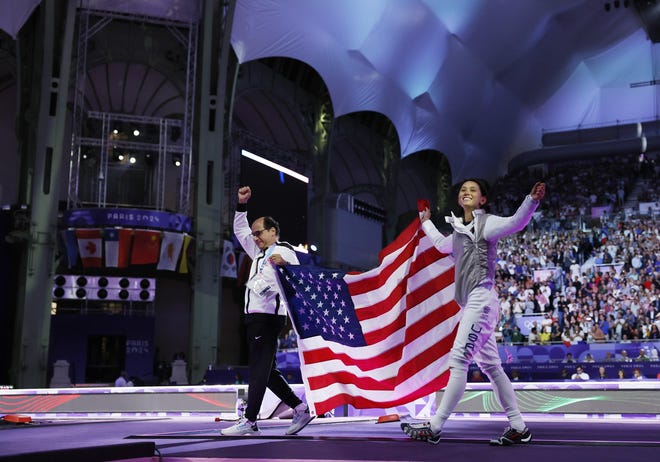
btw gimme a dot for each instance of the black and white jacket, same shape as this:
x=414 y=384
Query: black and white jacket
x=273 y=301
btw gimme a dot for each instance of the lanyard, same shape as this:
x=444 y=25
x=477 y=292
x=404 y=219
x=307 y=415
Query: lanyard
x=267 y=255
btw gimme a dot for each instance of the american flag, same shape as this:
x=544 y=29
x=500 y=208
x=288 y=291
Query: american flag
x=376 y=339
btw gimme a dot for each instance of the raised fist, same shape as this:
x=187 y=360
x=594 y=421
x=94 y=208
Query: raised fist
x=244 y=193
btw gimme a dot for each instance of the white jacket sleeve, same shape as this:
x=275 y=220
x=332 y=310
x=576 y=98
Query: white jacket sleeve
x=243 y=233
x=498 y=227
x=441 y=242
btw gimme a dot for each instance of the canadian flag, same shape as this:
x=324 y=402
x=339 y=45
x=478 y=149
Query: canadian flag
x=90 y=247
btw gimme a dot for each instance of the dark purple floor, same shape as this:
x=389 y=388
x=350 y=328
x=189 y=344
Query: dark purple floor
x=347 y=439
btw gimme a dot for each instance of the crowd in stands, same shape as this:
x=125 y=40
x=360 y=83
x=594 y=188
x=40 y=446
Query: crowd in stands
x=602 y=273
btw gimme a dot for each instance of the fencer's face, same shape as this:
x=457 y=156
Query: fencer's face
x=470 y=197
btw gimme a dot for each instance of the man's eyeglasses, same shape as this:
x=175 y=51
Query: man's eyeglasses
x=257 y=233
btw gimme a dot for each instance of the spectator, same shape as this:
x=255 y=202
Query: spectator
x=122 y=380
x=642 y=356
x=654 y=332
x=507 y=333
x=533 y=337
x=555 y=333
x=477 y=376
x=602 y=374
x=568 y=358
x=637 y=374
x=624 y=357
x=654 y=354
x=596 y=334
x=580 y=374
x=545 y=333
x=517 y=338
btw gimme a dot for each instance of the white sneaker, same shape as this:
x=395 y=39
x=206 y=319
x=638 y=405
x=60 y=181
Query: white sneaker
x=243 y=427
x=300 y=421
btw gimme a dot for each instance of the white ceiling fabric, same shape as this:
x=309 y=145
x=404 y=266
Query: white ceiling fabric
x=478 y=80
x=14 y=13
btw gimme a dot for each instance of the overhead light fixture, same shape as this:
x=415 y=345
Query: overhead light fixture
x=177 y=161
x=272 y=164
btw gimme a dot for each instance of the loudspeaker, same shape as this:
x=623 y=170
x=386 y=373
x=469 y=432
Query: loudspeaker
x=81 y=287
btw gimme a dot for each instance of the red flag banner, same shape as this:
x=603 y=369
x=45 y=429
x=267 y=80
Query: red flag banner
x=90 y=247
x=376 y=339
x=146 y=247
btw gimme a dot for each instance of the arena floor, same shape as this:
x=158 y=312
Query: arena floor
x=82 y=435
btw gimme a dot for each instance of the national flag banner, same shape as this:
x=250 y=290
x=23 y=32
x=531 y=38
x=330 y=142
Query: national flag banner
x=90 y=247
x=183 y=266
x=170 y=249
x=228 y=265
x=70 y=246
x=117 y=243
x=377 y=339
x=146 y=247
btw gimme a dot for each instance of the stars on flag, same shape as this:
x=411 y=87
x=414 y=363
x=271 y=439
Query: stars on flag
x=321 y=304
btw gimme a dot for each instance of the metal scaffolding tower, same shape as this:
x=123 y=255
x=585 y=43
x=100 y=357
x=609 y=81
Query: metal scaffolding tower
x=91 y=22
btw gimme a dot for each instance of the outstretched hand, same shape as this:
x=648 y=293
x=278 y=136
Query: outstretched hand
x=538 y=191
x=424 y=209
x=244 y=193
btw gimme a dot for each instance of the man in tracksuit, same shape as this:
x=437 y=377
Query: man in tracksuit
x=473 y=245
x=265 y=317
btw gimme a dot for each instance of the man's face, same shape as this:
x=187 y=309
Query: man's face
x=263 y=237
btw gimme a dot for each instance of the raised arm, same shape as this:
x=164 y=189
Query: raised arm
x=498 y=227
x=241 y=226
